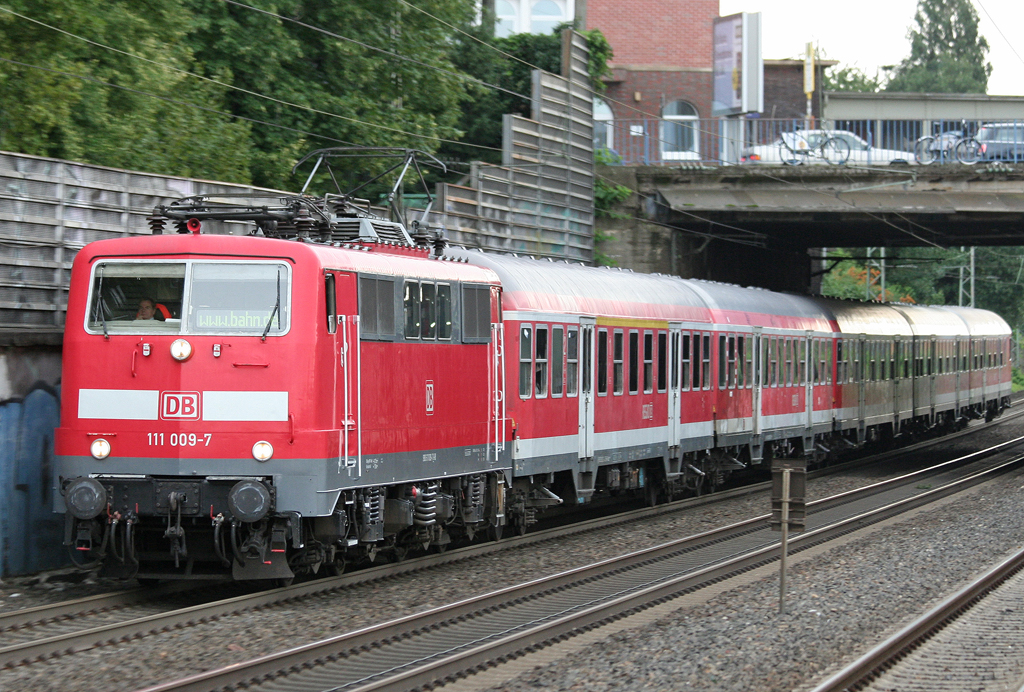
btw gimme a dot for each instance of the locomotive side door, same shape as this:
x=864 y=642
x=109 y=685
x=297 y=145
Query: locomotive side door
x=347 y=382
x=586 y=375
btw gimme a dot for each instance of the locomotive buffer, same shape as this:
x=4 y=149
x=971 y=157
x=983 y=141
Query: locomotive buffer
x=789 y=509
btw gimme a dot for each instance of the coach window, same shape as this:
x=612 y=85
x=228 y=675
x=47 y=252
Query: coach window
x=617 y=349
x=766 y=361
x=602 y=362
x=841 y=368
x=733 y=363
x=723 y=366
x=828 y=361
x=541 y=363
x=705 y=374
x=742 y=358
x=648 y=362
x=662 y=361
x=789 y=363
x=411 y=304
x=695 y=359
x=572 y=362
x=557 y=354
x=634 y=362
x=684 y=371
x=525 y=360
x=769 y=373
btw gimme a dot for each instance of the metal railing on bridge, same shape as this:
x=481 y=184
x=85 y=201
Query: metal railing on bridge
x=692 y=141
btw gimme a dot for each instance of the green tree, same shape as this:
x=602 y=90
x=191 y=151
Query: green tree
x=383 y=76
x=118 y=105
x=947 y=54
x=850 y=79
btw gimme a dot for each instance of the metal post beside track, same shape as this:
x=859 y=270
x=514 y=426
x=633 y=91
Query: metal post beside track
x=789 y=479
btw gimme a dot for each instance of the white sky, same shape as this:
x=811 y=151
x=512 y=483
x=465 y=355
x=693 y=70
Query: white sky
x=872 y=33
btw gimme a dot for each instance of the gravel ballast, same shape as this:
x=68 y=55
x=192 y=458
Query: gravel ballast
x=840 y=603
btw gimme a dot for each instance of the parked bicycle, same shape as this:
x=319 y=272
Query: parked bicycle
x=797 y=147
x=947 y=146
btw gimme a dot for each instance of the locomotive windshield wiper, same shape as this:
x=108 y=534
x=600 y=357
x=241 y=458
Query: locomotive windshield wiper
x=99 y=306
x=277 y=309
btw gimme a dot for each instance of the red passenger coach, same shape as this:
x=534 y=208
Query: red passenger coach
x=326 y=390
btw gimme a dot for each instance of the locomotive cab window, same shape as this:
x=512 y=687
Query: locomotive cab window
x=190 y=297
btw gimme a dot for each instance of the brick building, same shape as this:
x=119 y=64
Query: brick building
x=662 y=68
x=661 y=84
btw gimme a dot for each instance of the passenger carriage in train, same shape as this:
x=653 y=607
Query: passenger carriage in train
x=358 y=393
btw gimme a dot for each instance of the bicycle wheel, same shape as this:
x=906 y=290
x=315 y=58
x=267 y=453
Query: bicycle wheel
x=968 y=151
x=924 y=150
x=790 y=157
x=835 y=150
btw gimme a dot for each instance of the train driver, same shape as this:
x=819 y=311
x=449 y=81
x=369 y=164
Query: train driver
x=149 y=309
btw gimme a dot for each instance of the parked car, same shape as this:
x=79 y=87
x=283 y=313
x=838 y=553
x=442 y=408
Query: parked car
x=1001 y=141
x=861 y=153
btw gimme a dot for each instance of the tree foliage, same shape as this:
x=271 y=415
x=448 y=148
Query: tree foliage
x=931 y=276
x=238 y=92
x=63 y=97
x=850 y=78
x=947 y=54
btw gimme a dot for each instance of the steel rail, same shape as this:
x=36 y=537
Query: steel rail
x=71 y=642
x=927 y=625
x=479 y=647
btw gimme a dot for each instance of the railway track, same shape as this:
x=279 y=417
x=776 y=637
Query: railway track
x=455 y=640
x=970 y=641
x=64 y=628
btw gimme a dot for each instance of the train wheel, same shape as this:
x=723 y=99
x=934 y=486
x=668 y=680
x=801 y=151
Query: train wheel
x=495 y=532
x=336 y=567
x=282 y=582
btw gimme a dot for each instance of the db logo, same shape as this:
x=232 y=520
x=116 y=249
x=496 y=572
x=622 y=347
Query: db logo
x=179 y=405
x=430 y=397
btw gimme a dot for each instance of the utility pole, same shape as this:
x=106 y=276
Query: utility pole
x=871 y=281
x=966 y=283
x=809 y=82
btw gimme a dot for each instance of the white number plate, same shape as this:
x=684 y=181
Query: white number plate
x=180 y=439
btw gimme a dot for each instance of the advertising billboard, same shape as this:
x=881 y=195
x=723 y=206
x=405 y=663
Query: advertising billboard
x=738 y=67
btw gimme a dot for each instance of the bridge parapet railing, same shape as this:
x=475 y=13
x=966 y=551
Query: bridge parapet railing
x=715 y=141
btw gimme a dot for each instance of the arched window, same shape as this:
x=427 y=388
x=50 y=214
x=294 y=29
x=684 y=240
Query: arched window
x=679 y=132
x=603 y=126
x=504 y=18
x=545 y=16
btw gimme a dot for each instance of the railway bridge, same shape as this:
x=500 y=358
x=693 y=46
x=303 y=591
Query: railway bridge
x=767 y=225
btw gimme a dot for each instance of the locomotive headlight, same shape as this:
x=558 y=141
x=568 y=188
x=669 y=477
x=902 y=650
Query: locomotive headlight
x=249 y=501
x=181 y=350
x=85 y=497
x=100 y=448
x=262 y=451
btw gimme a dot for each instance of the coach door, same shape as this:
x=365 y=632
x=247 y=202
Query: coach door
x=343 y=303
x=755 y=410
x=586 y=427
x=675 y=405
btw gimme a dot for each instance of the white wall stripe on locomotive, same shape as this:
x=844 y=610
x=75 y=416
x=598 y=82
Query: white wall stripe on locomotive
x=119 y=404
x=245 y=406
